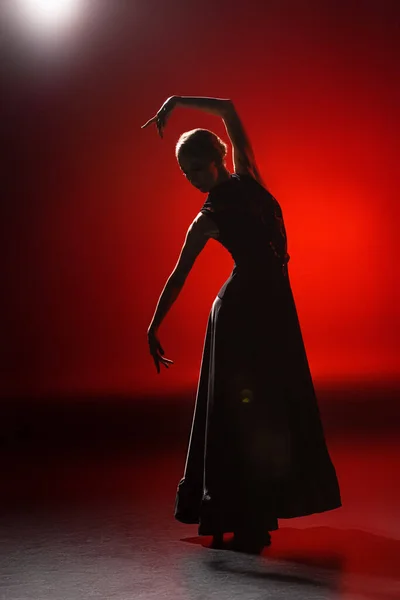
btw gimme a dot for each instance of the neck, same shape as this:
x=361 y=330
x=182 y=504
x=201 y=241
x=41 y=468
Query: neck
x=223 y=175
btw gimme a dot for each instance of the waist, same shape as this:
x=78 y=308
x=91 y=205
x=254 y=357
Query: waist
x=264 y=270
x=244 y=280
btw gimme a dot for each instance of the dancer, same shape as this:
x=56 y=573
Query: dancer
x=257 y=450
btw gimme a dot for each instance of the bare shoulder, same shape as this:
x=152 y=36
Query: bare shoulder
x=252 y=171
x=204 y=225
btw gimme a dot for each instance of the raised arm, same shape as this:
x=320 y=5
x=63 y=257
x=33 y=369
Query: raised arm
x=242 y=152
x=244 y=161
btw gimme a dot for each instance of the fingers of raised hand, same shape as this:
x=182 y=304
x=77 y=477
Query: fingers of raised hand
x=160 y=119
x=150 y=121
x=160 y=127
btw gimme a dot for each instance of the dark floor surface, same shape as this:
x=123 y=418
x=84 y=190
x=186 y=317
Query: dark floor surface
x=88 y=487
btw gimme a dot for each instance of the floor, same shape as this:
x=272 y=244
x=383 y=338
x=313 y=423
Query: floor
x=93 y=518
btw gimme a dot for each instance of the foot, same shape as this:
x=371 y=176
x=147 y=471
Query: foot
x=217 y=541
x=249 y=542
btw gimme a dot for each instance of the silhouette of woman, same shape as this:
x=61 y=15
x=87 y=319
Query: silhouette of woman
x=257 y=450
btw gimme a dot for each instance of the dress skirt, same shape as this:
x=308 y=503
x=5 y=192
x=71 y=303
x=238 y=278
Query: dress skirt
x=257 y=450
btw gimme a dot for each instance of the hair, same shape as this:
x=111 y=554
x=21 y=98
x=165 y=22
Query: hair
x=201 y=143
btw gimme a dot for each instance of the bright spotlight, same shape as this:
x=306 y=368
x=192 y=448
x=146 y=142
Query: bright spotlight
x=47 y=17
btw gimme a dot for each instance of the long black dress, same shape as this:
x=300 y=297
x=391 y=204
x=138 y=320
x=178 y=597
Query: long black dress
x=257 y=450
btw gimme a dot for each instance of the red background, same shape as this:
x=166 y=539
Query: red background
x=95 y=210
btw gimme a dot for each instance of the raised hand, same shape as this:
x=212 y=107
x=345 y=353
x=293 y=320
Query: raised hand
x=160 y=119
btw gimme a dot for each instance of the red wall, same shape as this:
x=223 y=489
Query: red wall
x=96 y=209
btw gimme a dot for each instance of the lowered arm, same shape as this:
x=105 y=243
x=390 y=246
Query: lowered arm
x=196 y=238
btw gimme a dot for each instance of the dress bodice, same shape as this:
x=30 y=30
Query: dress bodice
x=250 y=224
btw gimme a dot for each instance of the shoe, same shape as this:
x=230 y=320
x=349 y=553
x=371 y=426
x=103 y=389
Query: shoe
x=250 y=542
x=217 y=541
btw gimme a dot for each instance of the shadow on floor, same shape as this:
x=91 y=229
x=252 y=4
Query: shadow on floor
x=350 y=550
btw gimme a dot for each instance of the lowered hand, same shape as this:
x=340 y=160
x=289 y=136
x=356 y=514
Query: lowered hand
x=156 y=350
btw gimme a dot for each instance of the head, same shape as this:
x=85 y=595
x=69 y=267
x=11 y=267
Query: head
x=201 y=156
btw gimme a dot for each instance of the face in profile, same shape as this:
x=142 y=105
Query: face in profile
x=199 y=171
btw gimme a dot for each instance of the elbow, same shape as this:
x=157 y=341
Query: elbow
x=229 y=107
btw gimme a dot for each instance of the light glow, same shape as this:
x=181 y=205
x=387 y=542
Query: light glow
x=47 y=17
